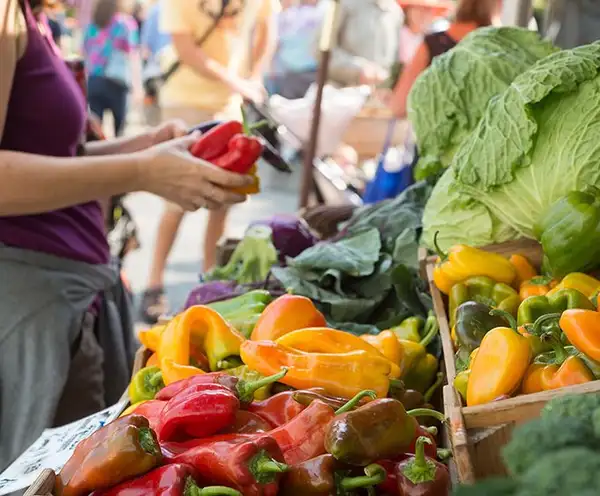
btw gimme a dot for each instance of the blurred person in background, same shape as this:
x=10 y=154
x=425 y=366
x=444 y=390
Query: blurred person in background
x=418 y=19
x=297 y=65
x=152 y=41
x=365 y=41
x=572 y=23
x=469 y=15
x=274 y=71
x=112 y=60
x=203 y=85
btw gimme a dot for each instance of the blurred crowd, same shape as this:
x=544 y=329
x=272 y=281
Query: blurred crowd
x=196 y=61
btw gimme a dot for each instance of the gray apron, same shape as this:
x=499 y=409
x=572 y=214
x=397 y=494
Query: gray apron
x=58 y=362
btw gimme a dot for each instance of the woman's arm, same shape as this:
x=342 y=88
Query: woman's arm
x=410 y=73
x=125 y=144
x=34 y=183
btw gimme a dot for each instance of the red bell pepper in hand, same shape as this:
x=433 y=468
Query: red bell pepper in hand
x=242 y=153
x=214 y=143
x=252 y=464
x=244 y=390
x=170 y=480
x=303 y=437
x=198 y=412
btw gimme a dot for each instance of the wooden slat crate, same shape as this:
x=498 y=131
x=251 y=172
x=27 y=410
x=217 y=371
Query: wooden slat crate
x=478 y=433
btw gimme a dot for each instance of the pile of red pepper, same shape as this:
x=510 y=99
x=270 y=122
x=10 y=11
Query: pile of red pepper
x=204 y=435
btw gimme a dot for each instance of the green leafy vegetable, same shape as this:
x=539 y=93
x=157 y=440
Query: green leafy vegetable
x=448 y=99
x=537 y=141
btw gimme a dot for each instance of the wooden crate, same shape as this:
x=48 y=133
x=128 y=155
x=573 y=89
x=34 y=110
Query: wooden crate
x=478 y=433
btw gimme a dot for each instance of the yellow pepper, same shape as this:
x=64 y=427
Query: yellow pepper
x=389 y=346
x=340 y=374
x=174 y=350
x=220 y=341
x=583 y=283
x=500 y=363
x=523 y=268
x=132 y=408
x=150 y=338
x=461 y=381
x=325 y=340
x=462 y=262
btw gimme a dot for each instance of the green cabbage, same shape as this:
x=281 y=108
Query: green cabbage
x=538 y=140
x=448 y=99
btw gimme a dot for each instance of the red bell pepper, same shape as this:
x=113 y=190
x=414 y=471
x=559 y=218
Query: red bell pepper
x=303 y=437
x=419 y=475
x=151 y=409
x=214 y=143
x=428 y=432
x=247 y=423
x=252 y=464
x=198 y=412
x=390 y=485
x=279 y=409
x=170 y=480
x=244 y=390
x=242 y=153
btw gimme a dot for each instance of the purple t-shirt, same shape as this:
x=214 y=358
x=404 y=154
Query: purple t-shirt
x=46 y=116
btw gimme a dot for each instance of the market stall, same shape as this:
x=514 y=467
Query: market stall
x=444 y=341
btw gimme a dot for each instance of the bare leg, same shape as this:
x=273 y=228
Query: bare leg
x=215 y=228
x=165 y=238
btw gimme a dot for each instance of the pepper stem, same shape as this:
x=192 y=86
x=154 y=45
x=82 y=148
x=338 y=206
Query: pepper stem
x=552 y=318
x=560 y=354
x=356 y=400
x=231 y=362
x=426 y=412
x=264 y=468
x=433 y=430
x=432 y=329
x=443 y=256
x=374 y=475
x=191 y=489
x=148 y=441
x=507 y=316
x=444 y=454
x=246 y=389
x=439 y=379
x=420 y=460
x=156 y=380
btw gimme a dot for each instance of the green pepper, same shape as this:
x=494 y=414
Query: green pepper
x=461 y=383
x=378 y=430
x=242 y=301
x=569 y=232
x=409 y=329
x=422 y=374
x=473 y=321
x=420 y=367
x=484 y=290
x=244 y=319
x=535 y=306
x=145 y=384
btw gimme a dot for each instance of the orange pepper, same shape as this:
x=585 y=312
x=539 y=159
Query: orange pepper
x=537 y=286
x=325 y=340
x=340 y=374
x=150 y=338
x=174 y=350
x=286 y=314
x=572 y=371
x=387 y=343
x=525 y=271
x=500 y=364
x=582 y=328
x=533 y=382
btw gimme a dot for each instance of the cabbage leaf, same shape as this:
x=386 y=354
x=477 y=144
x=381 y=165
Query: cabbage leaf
x=538 y=140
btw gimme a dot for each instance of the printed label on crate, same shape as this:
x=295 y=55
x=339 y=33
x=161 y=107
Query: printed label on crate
x=53 y=448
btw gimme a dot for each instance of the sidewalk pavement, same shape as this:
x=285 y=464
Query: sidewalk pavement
x=279 y=195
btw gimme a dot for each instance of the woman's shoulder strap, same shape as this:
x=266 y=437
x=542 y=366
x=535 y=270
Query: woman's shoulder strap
x=438 y=43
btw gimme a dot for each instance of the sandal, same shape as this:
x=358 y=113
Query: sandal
x=154 y=304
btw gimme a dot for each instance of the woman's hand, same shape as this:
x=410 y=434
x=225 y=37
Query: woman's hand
x=168 y=130
x=171 y=171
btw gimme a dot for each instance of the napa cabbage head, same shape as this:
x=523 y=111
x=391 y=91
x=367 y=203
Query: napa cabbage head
x=448 y=99
x=538 y=140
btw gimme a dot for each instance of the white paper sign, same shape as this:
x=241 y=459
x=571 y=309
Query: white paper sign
x=53 y=448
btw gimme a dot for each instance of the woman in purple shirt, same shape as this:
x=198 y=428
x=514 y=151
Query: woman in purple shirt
x=53 y=249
